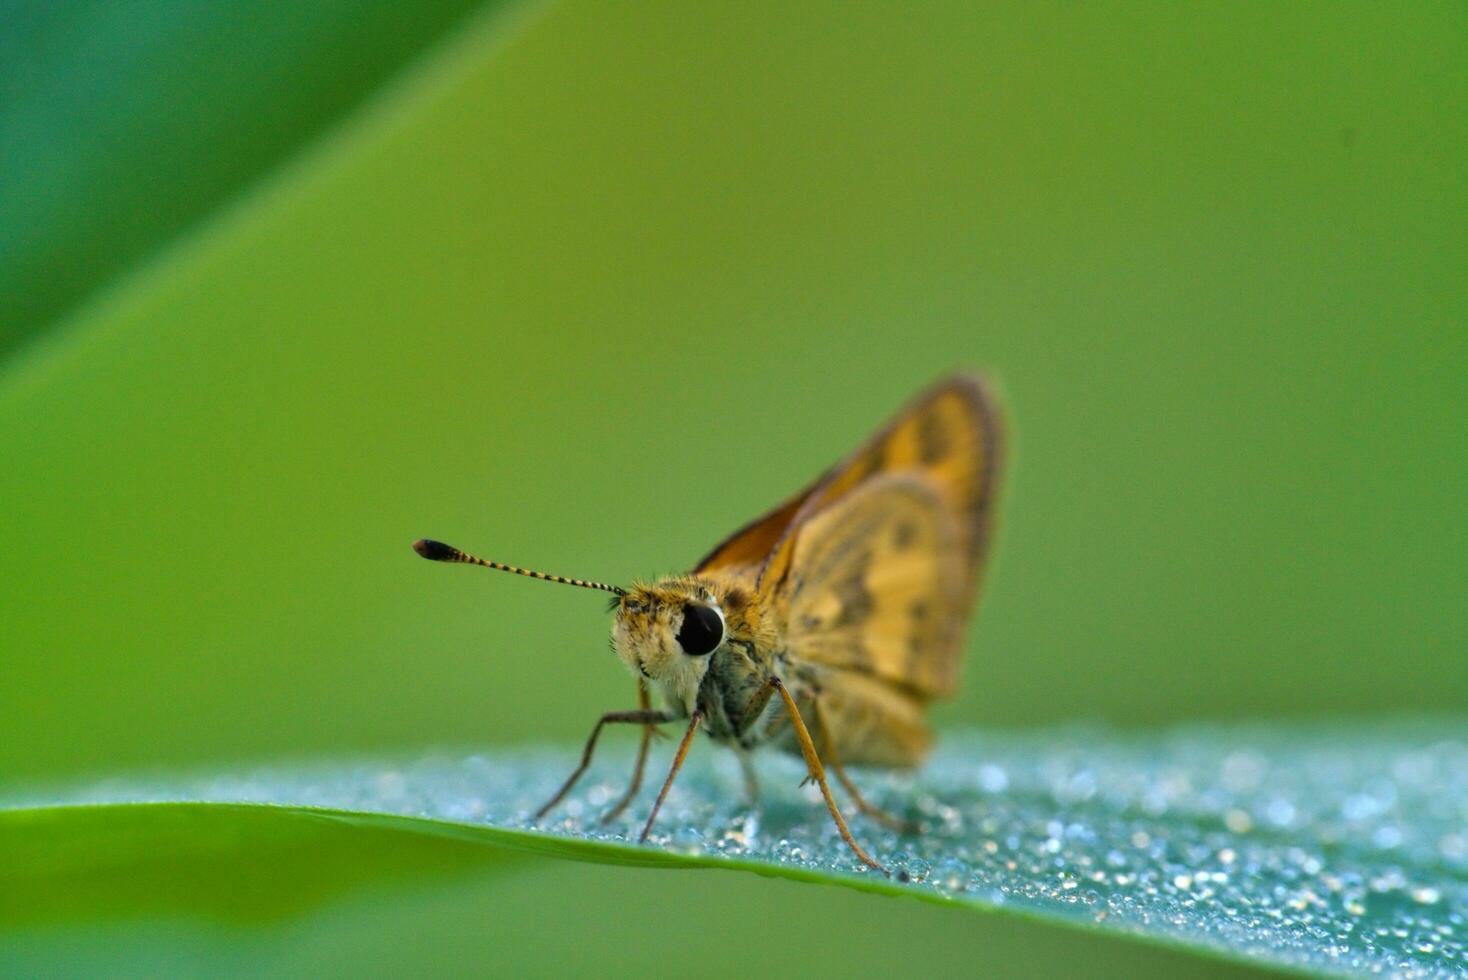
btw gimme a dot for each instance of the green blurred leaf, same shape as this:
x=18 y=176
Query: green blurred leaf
x=1337 y=851
x=126 y=123
x=226 y=861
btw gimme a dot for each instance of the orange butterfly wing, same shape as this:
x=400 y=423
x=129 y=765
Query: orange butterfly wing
x=950 y=432
x=876 y=588
x=748 y=547
x=943 y=452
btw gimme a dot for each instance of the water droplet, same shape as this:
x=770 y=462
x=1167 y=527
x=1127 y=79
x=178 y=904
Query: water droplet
x=992 y=778
x=1238 y=821
x=1387 y=836
x=1280 y=812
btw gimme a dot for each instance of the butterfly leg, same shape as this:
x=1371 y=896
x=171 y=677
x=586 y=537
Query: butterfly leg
x=682 y=754
x=751 y=778
x=644 y=701
x=813 y=763
x=640 y=717
x=828 y=746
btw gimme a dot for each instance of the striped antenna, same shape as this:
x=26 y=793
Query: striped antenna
x=438 y=551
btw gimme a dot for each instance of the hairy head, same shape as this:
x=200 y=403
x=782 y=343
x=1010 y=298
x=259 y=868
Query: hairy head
x=668 y=632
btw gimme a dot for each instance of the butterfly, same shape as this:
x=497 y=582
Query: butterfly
x=826 y=626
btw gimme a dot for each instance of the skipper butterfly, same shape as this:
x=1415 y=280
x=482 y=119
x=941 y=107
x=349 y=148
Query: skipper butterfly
x=825 y=626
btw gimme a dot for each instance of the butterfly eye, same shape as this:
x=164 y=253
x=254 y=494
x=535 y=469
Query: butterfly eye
x=702 y=630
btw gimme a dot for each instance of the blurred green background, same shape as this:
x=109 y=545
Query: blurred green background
x=586 y=286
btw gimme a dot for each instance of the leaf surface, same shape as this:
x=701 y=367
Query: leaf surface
x=1326 y=850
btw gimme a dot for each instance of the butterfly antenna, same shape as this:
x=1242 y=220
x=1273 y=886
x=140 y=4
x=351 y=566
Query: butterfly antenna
x=438 y=551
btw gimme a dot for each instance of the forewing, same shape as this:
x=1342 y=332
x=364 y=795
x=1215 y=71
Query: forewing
x=876 y=586
x=751 y=545
x=950 y=434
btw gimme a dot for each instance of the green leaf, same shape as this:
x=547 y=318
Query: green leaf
x=1328 y=850
x=126 y=124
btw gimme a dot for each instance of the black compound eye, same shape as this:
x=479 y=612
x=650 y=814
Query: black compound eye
x=702 y=630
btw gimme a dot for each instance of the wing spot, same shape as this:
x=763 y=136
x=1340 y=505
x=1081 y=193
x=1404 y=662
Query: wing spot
x=933 y=439
x=856 y=600
x=904 y=536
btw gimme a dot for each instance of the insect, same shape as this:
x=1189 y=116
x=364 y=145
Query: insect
x=825 y=626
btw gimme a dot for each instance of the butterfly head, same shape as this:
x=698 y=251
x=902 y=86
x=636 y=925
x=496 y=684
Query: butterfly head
x=667 y=632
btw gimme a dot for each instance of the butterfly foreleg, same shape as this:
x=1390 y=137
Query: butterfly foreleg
x=678 y=758
x=644 y=701
x=642 y=716
x=818 y=772
x=833 y=759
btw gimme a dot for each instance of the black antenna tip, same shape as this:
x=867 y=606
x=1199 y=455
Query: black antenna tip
x=435 y=550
